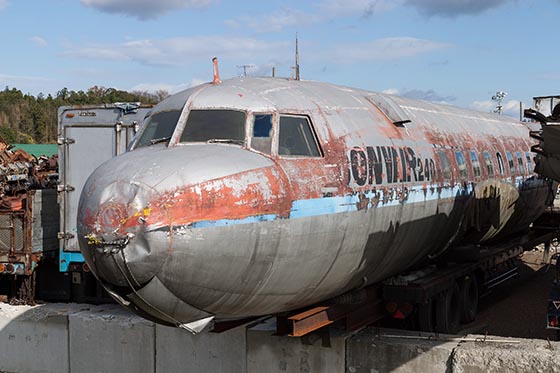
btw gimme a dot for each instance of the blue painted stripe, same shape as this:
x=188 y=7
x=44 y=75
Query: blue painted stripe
x=224 y=222
x=323 y=206
x=334 y=205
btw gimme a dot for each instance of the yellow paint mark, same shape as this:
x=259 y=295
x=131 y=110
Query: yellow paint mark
x=92 y=240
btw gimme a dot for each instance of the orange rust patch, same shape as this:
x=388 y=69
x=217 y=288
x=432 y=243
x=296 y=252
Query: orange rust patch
x=250 y=193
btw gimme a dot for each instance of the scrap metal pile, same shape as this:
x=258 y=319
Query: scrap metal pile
x=21 y=176
x=21 y=171
x=547 y=113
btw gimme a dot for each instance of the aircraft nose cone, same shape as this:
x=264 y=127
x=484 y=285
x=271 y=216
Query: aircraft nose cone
x=112 y=230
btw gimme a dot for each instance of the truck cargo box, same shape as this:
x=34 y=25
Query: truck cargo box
x=88 y=136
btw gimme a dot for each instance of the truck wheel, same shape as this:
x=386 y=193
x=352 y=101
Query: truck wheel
x=427 y=315
x=469 y=299
x=448 y=310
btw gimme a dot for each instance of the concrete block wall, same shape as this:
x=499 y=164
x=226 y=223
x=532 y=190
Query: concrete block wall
x=34 y=340
x=179 y=351
x=110 y=339
x=57 y=338
x=74 y=338
x=366 y=353
x=269 y=353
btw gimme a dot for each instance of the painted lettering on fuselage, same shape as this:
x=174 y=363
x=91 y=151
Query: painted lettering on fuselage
x=389 y=165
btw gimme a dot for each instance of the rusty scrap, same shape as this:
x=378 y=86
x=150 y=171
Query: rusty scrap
x=20 y=175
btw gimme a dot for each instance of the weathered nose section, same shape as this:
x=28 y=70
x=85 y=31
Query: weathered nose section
x=112 y=232
x=123 y=250
x=136 y=219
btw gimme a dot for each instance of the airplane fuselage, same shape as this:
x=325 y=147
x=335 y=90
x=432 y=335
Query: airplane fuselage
x=261 y=195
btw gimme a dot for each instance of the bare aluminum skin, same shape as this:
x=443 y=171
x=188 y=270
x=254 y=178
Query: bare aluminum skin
x=181 y=232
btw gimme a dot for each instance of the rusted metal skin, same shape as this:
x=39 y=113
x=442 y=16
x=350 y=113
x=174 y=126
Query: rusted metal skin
x=183 y=231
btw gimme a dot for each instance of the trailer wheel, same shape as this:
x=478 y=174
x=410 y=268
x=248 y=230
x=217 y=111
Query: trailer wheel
x=448 y=309
x=427 y=315
x=469 y=299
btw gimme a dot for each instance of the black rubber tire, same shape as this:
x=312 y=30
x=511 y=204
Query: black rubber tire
x=469 y=299
x=448 y=310
x=427 y=316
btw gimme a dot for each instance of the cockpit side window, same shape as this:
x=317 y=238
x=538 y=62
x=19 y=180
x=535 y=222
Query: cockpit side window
x=225 y=126
x=158 y=128
x=296 y=137
x=262 y=133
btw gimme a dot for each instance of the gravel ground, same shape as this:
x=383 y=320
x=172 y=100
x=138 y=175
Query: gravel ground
x=517 y=308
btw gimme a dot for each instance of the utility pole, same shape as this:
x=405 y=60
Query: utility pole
x=499 y=97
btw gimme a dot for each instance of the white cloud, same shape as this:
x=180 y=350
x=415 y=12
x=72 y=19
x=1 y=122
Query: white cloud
x=391 y=91
x=5 y=77
x=171 y=88
x=454 y=8
x=275 y=21
x=28 y=83
x=144 y=9
x=39 y=41
x=486 y=106
x=176 y=51
x=324 y=11
x=427 y=95
x=3 y=4
x=385 y=49
x=510 y=107
x=365 y=8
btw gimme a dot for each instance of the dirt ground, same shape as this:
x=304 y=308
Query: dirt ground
x=518 y=307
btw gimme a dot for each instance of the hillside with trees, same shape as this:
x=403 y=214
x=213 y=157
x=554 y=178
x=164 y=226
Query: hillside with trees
x=25 y=118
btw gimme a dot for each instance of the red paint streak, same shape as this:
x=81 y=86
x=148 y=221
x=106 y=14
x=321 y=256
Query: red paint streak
x=238 y=196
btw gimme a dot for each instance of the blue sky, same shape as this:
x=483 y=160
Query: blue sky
x=458 y=52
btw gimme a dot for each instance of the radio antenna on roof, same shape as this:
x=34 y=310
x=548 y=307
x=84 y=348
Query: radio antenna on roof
x=297 y=58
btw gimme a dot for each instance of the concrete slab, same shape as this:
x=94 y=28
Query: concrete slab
x=268 y=353
x=528 y=355
x=370 y=351
x=108 y=338
x=83 y=338
x=34 y=339
x=177 y=350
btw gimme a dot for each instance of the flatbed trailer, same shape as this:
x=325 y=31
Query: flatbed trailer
x=438 y=297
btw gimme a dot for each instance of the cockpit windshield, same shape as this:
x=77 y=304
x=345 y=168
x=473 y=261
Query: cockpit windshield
x=158 y=128
x=224 y=126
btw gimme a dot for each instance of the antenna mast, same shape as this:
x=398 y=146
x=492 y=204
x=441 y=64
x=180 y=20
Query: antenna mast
x=297 y=58
x=245 y=67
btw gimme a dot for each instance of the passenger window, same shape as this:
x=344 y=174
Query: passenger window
x=262 y=133
x=475 y=164
x=489 y=165
x=510 y=163
x=500 y=163
x=159 y=128
x=224 y=126
x=461 y=163
x=520 y=162
x=529 y=162
x=445 y=166
x=296 y=137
